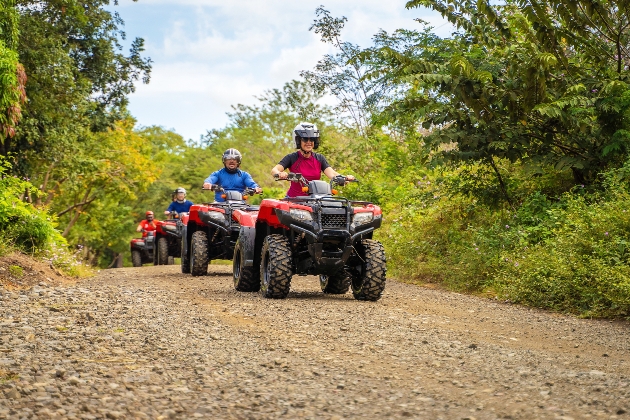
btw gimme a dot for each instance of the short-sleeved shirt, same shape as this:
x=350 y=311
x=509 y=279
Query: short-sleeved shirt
x=180 y=207
x=311 y=168
x=147 y=226
x=230 y=181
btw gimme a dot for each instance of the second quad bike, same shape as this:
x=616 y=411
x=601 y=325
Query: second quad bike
x=167 y=240
x=316 y=234
x=142 y=249
x=210 y=230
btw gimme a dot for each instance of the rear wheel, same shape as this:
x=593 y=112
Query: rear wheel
x=369 y=284
x=199 y=258
x=162 y=251
x=136 y=258
x=335 y=284
x=275 y=267
x=246 y=279
x=185 y=260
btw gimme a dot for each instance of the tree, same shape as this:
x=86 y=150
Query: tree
x=78 y=80
x=540 y=82
x=12 y=75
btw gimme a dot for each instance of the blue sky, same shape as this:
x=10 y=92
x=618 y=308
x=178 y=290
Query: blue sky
x=210 y=54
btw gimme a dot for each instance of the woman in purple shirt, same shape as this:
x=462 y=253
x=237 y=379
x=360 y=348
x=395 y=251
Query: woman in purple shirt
x=305 y=160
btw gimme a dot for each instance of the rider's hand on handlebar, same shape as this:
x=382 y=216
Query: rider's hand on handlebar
x=207 y=185
x=283 y=175
x=258 y=190
x=167 y=212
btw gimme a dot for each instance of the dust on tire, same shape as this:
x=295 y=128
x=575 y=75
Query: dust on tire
x=275 y=267
x=199 y=258
x=370 y=283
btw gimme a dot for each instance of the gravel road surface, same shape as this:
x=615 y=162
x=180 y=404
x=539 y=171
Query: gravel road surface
x=151 y=342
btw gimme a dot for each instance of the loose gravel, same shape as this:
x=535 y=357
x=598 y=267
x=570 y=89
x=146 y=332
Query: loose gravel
x=151 y=342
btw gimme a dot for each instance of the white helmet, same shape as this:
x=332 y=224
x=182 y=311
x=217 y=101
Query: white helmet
x=306 y=130
x=232 y=154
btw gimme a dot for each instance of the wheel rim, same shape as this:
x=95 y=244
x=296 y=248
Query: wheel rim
x=236 y=267
x=265 y=265
x=323 y=281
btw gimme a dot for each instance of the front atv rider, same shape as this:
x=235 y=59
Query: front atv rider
x=305 y=160
x=147 y=225
x=179 y=204
x=231 y=177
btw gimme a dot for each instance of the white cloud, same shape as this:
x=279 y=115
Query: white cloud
x=210 y=54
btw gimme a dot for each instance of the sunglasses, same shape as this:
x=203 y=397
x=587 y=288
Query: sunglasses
x=308 y=140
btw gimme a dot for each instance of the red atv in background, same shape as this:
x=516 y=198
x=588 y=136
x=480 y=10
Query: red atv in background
x=167 y=240
x=211 y=230
x=142 y=249
x=315 y=234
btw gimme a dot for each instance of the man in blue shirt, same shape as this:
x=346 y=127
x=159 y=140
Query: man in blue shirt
x=231 y=178
x=180 y=204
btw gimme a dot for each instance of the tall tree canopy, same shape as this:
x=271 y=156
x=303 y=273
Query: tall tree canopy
x=541 y=82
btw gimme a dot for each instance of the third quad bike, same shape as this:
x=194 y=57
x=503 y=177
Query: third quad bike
x=167 y=240
x=313 y=234
x=142 y=249
x=210 y=230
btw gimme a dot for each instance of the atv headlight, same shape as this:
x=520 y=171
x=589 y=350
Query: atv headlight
x=301 y=215
x=170 y=228
x=216 y=215
x=362 y=218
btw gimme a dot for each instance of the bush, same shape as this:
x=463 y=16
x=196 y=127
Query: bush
x=28 y=229
x=568 y=252
x=21 y=224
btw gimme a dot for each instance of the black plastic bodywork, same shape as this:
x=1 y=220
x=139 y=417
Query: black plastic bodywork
x=321 y=246
x=146 y=250
x=222 y=234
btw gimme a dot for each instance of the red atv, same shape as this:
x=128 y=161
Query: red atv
x=314 y=234
x=168 y=240
x=142 y=249
x=210 y=230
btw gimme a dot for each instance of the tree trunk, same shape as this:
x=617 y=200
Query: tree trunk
x=500 y=179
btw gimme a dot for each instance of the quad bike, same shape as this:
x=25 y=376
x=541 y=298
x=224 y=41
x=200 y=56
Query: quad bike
x=210 y=230
x=167 y=240
x=142 y=249
x=314 y=234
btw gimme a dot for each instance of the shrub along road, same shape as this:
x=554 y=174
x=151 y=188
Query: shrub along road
x=152 y=343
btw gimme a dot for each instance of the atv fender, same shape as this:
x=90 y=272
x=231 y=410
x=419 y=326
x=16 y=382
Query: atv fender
x=247 y=238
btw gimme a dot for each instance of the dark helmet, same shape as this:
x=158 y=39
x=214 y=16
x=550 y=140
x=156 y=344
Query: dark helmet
x=232 y=154
x=306 y=130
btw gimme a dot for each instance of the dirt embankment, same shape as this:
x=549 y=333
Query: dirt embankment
x=154 y=343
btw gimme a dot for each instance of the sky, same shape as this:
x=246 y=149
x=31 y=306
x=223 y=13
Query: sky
x=211 y=54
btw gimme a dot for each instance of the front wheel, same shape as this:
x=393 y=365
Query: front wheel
x=337 y=283
x=136 y=258
x=162 y=251
x=369 y=283
x=199 y=258
x=275 y=267
x=246 y=279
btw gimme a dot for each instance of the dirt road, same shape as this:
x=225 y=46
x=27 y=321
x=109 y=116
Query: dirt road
x=152 y=343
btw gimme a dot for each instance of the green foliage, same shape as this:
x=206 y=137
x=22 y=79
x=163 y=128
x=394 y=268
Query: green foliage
x=22 y=225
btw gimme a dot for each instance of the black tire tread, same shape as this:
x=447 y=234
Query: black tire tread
x=279 y=266
x=374 y=274
x=136 y=258
x=338 y=283
x=162 y=251
x=185 y=260
x=199 y=254
x=249 y=279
